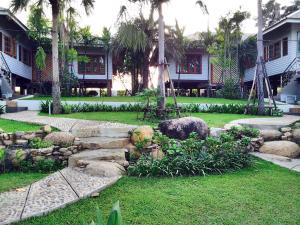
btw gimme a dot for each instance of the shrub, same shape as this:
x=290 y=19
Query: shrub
x=42 y=166
x=230 y=90
x=229 y=152
x=39 y=143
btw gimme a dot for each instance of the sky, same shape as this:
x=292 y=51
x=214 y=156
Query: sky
x=186 y=12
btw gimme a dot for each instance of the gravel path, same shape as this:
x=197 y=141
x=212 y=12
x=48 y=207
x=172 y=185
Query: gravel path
x=63 y=124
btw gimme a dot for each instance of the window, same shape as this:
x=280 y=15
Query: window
x=285 y=47
x=271 y=52
x=277 y=50
x=96 y=65
x=0 y=41
x=7 y=45
x=20 y=53
x=266 y=53
x=26 y=56
x=192 y=65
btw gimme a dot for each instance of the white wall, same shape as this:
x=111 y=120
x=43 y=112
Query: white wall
x=203 y=76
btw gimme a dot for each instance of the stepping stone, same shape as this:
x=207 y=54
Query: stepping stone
x=85 y=185
x=12 y=204
x=102 y=142
x=100 y=131
x=48 y=194
x=98 y=155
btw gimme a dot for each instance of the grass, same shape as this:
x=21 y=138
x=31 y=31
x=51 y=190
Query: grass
x=265 y=194
x=212 y=119
x=13 y=126
x=136 y=99
x=13 y=180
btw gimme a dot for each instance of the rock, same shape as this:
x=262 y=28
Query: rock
x=271 y=135
x=216 y=132
x=45 y=151
x=282 y=148
x=96 y=194
x=19 y=134
x=63 y=150
x=286 y=129
x=157 y=154
x=68 y=153
x=17 y=156
x=231 y=125
x=103 y=169
x=39 y=158
x=141 y=134
x=61 y=138
x=21 y=142
x=296 y=134
x=297 y=125
x=256 y=143
x=181 y=128
x=29 y=136
x=47 y=129
x=7 y=142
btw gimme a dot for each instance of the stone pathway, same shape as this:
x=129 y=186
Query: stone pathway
x=54 y=191
x=292 y=164
x=268 y=123
x=63 y=124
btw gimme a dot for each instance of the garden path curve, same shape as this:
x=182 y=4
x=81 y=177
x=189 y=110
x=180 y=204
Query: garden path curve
x=63 y=124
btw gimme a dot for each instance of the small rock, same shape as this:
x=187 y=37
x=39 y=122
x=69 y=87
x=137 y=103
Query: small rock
x=288 y=134
x=286 y=129
x=39 y=158
x=47 y=129
x=19 y=134
x=96 y=194
x=296 y=134
x=29 y=136
x=7 y=142
x=143 y=133
x=21 y=142
x=157 y=154
x=68 y=153
x=271 y=135
x=63 y=150
x=216 y=132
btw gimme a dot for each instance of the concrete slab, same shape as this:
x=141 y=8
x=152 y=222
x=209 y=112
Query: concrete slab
x=12 y=204
x=48 y=194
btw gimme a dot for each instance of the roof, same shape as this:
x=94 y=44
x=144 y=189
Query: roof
x=7 y=12
x=291 y=18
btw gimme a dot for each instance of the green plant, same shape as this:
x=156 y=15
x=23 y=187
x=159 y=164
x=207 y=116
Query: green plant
x=115 y=217
x=39 y=143
x=2 y=158
x=2 y=109
x=230 y=90
x=42 y=166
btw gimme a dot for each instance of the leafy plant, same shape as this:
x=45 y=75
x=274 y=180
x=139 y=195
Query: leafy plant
x=115 y=217
x=42 y=166
x=2 y=158
x=39 y=143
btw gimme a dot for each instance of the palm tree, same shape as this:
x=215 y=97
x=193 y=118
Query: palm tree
x=260 y=52
x=56 y=5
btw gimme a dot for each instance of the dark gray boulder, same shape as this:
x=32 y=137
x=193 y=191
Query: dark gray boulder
x=181 y=128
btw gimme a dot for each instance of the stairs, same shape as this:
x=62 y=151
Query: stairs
x=291 y=81
x=5 y=78
x=103 y=150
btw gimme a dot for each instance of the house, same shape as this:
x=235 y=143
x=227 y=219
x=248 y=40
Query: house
x=281 y=54
x=15 y=54
x=18 y=71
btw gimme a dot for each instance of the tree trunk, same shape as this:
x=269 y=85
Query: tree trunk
x=55 y=64
x=161 y=60
x=146 y=73
x=260 y=50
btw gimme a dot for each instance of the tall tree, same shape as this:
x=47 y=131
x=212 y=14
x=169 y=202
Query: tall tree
x=106 y=39
x=271 y=13
x=17 y=5
x=259 y=62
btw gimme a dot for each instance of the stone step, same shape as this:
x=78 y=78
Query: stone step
x=100 y=131
x=97 y=155
x=102 y=142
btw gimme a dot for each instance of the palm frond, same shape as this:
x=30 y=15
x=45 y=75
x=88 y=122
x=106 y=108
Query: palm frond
x=203 y=6
x=17 y=5
x=88 y=5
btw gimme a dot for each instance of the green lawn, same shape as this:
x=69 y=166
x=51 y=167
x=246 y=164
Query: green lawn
x=13 y=126
x=9 y=181
x=135 y=99
x=212 y=119
x=265 y=194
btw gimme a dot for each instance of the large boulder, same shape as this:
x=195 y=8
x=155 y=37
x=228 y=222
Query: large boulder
x=143 y=133
x=282 y=148
x=181 y=128
x=271 y=135
x=102 y=168
x=296 y=134
x=61 y=138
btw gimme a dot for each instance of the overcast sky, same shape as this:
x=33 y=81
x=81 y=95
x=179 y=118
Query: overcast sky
x=186 y=12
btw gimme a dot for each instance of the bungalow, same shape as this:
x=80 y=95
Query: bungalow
x=281 y=54
x=18 y=73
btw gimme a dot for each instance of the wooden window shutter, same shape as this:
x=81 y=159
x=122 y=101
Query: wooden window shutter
x=14 y=48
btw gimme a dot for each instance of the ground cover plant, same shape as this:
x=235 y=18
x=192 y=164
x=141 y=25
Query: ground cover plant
x=262 y=194
x=194 y=156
